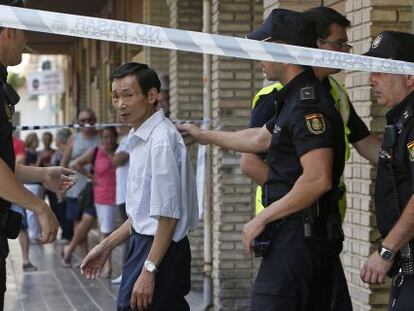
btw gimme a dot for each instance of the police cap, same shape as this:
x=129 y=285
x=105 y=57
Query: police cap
x=394 y=45
x=19 y=3
x=287 y=26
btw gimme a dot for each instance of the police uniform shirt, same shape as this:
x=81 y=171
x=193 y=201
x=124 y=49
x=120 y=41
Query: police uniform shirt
x=266 y=108
x=402 y=164
x=6 y=131
x=305 y=119
x=6 y=150
x=357 y=127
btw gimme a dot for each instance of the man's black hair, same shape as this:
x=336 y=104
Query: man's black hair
x=111 y=129
x=146 y=77
x=324 y=17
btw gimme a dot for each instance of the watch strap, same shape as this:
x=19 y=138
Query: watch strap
x=386 y=253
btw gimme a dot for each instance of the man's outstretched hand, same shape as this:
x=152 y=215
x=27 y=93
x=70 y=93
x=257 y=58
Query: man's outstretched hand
x=58 y=179
x=190 y=133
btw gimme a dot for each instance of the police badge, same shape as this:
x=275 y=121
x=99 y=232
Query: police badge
x=315 y=123
x=410 y=147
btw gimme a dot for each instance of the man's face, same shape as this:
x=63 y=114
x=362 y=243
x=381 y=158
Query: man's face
x=272 y=70
x=389 y=89
x=336 y=41
x=132 y=105
x=17 y=41
x=85 y=117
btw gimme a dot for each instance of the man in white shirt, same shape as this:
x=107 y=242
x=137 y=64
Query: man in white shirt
x=161 y=200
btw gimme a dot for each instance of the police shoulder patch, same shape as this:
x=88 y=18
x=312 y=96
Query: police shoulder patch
x=410 y=147
x=315 y=123
x=307 y=92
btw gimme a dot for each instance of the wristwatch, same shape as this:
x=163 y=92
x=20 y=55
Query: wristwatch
x=150 y=266
x=386 y=253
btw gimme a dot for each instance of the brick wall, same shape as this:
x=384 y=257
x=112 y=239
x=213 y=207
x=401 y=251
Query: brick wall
x=186 y=102
x=368 y=19
x=156 y=12
x=289 y=4
x=234 y=82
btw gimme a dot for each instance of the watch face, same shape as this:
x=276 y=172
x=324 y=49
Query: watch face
x=386 y=254
x=150 y=267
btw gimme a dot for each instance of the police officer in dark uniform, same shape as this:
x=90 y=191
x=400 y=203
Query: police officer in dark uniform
x=296 y=230
x=394 y=200
x=57 y=179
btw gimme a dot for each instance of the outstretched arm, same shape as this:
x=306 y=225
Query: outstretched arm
x=12 y=190
x=252 y=140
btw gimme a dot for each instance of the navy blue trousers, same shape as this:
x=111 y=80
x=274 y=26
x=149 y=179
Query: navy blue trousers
x=4 y=250
x=401 y=298
x=173 y=279
x=300 y=275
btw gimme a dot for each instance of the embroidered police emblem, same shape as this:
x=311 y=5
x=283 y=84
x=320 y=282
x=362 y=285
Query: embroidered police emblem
x=315 y=123
x=377 y=41
x=410 y=147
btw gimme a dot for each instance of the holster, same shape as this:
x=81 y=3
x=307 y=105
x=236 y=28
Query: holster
x=10 y=223
x=263 y=243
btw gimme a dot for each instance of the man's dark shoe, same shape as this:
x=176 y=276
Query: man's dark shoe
x=28 y=267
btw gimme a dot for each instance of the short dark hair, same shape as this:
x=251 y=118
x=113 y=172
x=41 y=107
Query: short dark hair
x=111 y=129
x=47 y=134
x=18 y=3
x=146 y=77
x=88 y=110
x=324 y=17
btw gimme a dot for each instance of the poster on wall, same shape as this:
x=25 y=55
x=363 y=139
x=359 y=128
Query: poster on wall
x=46 y=82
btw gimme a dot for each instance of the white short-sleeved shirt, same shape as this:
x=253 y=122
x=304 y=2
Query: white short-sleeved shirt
x=122 y=173
x=161 y=180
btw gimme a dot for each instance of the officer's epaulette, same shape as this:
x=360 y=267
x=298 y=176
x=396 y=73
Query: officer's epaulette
x=307 y=93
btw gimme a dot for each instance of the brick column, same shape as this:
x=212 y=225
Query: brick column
x=186 y=101
x=156 y=13
x=234 y=83
x=186 y=69
x=295 y=5
x=368 y=19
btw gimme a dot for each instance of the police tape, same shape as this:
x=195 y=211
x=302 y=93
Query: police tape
x=62 y=126
x=190 y=41
x=96 y=125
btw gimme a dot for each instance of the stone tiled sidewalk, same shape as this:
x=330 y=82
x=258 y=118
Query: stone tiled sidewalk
x=54 y=288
